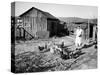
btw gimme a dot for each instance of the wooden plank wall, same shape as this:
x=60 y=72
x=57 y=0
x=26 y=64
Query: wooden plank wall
x=37 y=22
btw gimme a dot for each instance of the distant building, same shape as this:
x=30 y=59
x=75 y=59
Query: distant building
x=89 y=27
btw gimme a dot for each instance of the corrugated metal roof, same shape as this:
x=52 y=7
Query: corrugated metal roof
x=48 y=15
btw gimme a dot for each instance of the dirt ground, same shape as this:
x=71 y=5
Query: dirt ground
x=29 y=59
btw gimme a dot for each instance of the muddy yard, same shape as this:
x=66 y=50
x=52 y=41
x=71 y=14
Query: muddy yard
x=28 y=58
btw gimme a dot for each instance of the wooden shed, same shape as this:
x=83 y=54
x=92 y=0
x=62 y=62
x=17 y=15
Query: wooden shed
x=37 y=23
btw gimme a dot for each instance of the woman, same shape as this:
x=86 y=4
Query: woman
x=78 y=40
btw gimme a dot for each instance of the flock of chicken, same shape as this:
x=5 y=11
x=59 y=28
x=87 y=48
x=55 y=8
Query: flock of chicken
x=64 y=51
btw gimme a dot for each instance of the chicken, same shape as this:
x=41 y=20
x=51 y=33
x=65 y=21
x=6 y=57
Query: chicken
x=41 y=48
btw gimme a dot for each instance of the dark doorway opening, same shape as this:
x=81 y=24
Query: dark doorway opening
x=91 y=31
x=52 y=33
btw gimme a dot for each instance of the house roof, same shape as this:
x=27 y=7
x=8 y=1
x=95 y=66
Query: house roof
x=91 y=21
x=48 y=15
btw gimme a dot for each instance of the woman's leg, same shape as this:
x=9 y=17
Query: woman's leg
x=80 y=42
x=76 y=43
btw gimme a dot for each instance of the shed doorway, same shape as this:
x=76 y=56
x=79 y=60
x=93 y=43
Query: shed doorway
x=52 y=29
x=91 y=31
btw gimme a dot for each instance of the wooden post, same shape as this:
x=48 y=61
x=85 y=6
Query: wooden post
x=24 y=28
x=88 y=30
x=94 y=33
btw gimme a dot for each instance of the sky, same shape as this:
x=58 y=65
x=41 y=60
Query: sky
x=59 y=10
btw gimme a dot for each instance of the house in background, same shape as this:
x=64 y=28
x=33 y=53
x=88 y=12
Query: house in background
x=37 y=23
x=89 y=27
